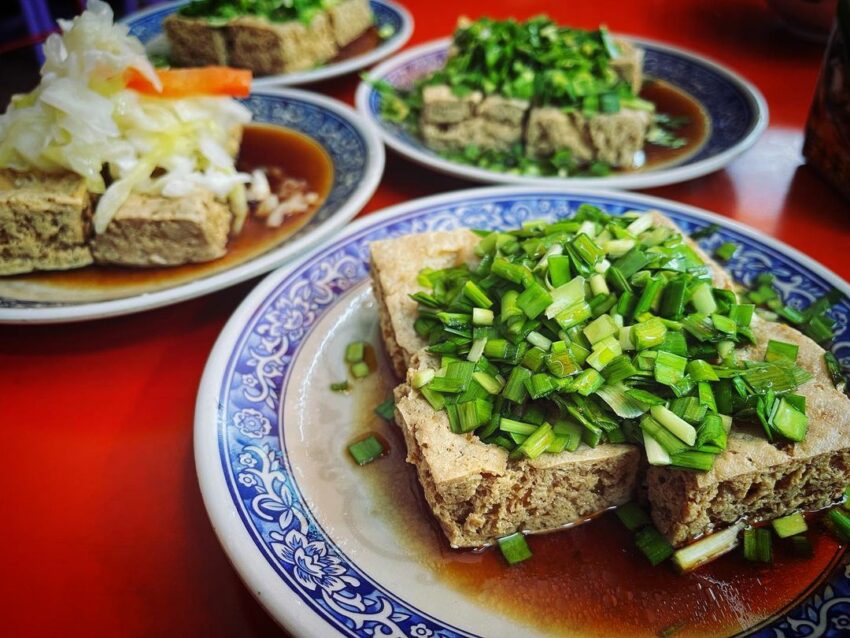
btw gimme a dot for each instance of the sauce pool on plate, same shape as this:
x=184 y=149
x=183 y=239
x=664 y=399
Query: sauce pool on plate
x=262 y=145
x=673 y=101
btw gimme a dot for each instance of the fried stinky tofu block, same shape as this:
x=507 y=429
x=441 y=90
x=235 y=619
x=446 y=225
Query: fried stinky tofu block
x=45 y=221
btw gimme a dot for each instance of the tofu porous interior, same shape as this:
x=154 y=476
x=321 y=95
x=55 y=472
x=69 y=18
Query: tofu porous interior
x=481 y=491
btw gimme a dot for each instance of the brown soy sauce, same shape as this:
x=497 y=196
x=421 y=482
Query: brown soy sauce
x=365 y=42
x=589 y=579
x=673 y=101
x=262 y=145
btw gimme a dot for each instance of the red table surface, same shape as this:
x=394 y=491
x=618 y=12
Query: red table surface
x=103 y=528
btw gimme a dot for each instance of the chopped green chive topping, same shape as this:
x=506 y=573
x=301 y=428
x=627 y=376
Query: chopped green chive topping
x=758 y=544
x=839 y=519
x=386 y=410
x=790 y=525
x=546 y=64
x=726 y=250
x=707 y=231
x=780 y=351
x=835 y=370
x=366 y=451
x=654 y=546
x=355 y=351
x=360 y=370
x=514 y=548
x=597 y=329
x=633 y=516
x=707 y=548
x=341 y=386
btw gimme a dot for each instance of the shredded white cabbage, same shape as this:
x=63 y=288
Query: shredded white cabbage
x=82 y=118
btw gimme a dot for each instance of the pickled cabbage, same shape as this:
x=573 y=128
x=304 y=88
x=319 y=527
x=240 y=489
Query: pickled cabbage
x=82 y=118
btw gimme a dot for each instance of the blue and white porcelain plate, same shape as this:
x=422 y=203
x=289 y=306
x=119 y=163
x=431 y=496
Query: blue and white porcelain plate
x=390 y=17
x=736 y=114
x=357 y=157
x=312 y=538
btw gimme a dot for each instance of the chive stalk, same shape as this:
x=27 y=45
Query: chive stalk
x=514 y=548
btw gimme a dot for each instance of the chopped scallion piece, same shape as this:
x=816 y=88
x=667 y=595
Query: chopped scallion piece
x=648 y=334
x=600 y=328
x=360 y=370
x=669 y=368
x=781 y=351
x=726 y=251
x=835 y=370
x=514 y=548
x=536 y=443
x=693 y=460
x=559 y=270
x=477 y=350
x=788 y=421
x=633 y=516
x=758 y=545
x=482 y=317
x=422 y=377
x=655 y=452
x=571 y=431
x=670 y=442
x=654 y=546
x=355 y=351
x=341 y=386
x=707 y=548
x=386 y=410
x=703 y=299
x=790 y=525
x=534 y=300
x=839 y=519
x=366 y=451
x=516 y=427
x=681 y=428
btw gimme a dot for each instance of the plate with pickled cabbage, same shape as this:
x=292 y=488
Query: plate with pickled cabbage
x=124 y=187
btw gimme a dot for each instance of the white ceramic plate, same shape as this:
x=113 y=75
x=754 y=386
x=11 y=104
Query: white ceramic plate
x=147 y=26
x=318 y=540
x=736 y=112
x=356 y=154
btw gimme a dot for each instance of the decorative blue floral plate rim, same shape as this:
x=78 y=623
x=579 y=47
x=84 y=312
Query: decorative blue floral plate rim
x=389 y=16
x=302 y=576
x=737 y=114
x=357 y=155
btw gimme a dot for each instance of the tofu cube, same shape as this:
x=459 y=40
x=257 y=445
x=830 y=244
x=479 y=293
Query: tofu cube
x=270 y=48
x=450 y=122
x=194 y=42
x=474 y=491
x=350 y=19
x=441 y=106
x=551 y=129
x=755 y=479
x=45 y=221
x=477 y=494
x=150 y=230
x=629 y=64
x=618 y=137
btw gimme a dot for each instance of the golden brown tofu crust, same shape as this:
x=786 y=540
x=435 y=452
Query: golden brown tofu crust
x=161 y=231
x=45 y=222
